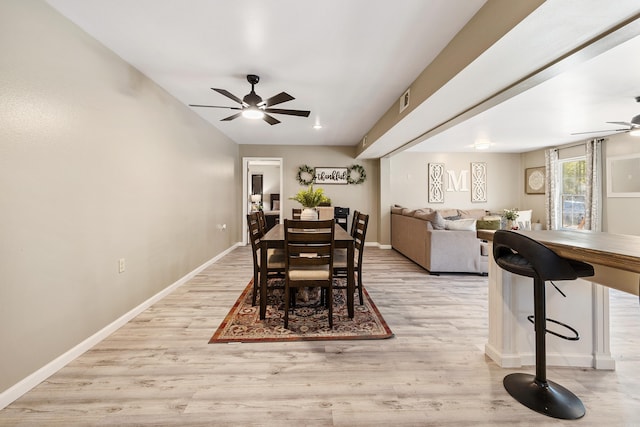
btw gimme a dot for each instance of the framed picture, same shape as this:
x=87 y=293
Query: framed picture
x=332 y=175
x=623 y=176
x=534 y=180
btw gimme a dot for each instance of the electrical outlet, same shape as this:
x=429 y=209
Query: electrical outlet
x=121 y=265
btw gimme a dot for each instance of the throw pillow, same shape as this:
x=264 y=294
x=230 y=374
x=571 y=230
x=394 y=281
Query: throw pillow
x=436 y=220
x=448 y=212
x=488 y=224
x=453 y=217
x=396 y=209
x=467 y=224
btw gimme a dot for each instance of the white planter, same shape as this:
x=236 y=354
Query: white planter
x=309 y=214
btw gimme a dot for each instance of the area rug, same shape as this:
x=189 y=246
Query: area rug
x=307 y=322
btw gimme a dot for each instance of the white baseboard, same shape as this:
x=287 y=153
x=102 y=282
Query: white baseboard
x=377 y=245
x=17 y=390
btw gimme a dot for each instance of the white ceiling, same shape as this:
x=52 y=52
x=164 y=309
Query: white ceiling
x=349 y=62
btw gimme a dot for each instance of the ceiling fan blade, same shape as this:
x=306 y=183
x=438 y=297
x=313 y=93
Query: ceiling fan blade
x=600 y=131
x=289 y=112
x=622 y=123
x=228 y=95
x=214 y=106
x=235 y=116
x=276 y=99
x=270 y=119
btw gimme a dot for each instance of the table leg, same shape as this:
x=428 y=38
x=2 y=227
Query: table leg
x=263 y=280
x=351 y=284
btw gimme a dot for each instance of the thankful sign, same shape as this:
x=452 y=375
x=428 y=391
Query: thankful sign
x=331 y=175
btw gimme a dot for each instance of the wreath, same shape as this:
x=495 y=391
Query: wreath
x=361 y=175
x=305 y=175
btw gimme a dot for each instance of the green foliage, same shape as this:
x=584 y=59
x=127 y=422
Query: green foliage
x=310 y=198
x=510 y=214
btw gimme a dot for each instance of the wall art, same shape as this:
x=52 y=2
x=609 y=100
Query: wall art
x=436 y=183
x=478 y=182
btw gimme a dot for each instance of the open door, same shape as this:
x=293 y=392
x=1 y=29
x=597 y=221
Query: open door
x=265 y=194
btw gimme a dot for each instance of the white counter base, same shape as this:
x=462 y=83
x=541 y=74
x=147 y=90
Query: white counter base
x=512 y=338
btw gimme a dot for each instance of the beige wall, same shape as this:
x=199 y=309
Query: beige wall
x=362 y=197
x=535 y=202
x=620 y=214
x=97 y=163
x=409 y=177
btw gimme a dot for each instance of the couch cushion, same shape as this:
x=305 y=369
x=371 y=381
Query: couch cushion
x=472 y=213
x=448 y=212
x=422 y=213
x=467 y=224
x=407 y=211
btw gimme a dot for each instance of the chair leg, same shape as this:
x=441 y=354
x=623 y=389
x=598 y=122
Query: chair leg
x=287 y=295
x=536 y=392
x=360 y=288
x=330 y=302
x=256 y=282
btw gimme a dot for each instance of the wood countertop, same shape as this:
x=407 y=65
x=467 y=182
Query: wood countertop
x=614 y=252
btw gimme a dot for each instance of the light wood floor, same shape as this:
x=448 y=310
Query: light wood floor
x=159 y=369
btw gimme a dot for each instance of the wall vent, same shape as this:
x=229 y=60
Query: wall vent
x=405 y=99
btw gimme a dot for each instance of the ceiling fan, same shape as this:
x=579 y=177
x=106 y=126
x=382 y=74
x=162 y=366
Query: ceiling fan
x=633 y=127
x=252 y=106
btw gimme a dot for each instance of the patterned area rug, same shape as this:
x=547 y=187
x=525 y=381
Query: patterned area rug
x=307 y=322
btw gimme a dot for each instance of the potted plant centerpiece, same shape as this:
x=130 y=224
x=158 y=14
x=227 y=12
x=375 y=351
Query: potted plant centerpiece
x=510 y=215
x=310 y=199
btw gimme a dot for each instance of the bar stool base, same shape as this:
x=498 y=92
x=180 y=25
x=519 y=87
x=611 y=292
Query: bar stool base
x=548 y=398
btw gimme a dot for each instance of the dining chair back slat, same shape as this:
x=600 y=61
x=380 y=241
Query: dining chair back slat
x=309 y=248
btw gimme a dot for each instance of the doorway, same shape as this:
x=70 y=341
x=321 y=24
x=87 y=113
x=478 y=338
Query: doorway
x=269 y=171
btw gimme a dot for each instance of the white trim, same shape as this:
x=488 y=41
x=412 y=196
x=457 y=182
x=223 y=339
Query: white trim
x=20 y=388
x=245 y=189
x=379 y=245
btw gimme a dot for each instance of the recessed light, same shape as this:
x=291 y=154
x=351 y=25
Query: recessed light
x=317 y=126
x=482 y=144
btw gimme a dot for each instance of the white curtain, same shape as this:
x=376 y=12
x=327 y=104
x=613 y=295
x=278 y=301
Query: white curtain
x=593 y=205
x=551 y=169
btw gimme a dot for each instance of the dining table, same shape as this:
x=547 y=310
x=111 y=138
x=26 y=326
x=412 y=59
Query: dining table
x=274 y=239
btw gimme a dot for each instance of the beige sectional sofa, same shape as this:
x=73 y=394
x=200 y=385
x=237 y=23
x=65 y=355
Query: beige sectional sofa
x=443 y=240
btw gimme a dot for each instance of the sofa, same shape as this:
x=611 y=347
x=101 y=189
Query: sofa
x=443 y=240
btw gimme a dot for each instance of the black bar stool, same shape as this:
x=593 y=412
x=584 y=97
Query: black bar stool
x=524 y=256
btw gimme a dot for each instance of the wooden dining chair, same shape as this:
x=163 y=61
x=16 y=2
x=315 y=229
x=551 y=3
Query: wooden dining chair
x=359 y=233
x=262 y=221
x=309 y=247
x=275 y=257
x=354 y=220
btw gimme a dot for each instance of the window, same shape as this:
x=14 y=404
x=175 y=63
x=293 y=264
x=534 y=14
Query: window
x=572 y=192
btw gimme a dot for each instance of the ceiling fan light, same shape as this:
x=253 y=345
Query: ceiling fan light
x=252 y=113
x=635 y=132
